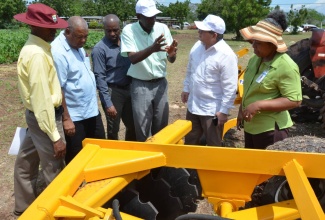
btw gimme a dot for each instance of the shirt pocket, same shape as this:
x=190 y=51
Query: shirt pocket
x=267 y=85
x=211 y=74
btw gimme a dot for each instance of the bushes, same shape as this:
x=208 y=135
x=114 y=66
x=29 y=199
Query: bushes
x=95 y=25
x=11 y=42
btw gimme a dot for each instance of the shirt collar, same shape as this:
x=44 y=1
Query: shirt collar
x=108 y=42
x=64 y=41
x=40 y=42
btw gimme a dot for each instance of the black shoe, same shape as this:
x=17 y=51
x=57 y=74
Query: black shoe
x=16 y=213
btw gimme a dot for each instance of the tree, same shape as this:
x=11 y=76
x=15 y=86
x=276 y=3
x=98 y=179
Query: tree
x=314 y=17
x=179 y=10
x=208 y=7
x=296 y=17
x=9 y=8
x=164 y=10
x=237 y=14
x=89 y=8
x=63 y=8
x=124 y=9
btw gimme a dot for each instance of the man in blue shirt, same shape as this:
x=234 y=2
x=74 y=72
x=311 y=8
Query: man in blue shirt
x=81 y=117
x=149 y=45
x=113 y=85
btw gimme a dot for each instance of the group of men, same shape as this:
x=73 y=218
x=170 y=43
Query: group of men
x=58 y=87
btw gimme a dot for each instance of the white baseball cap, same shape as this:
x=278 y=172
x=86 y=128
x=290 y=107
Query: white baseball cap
x=146 y=8
x=212 y=23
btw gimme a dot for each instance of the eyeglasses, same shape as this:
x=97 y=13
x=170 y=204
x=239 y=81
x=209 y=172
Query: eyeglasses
x=202 y=31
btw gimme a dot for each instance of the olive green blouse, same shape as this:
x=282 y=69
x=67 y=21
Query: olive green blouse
x=270 y=80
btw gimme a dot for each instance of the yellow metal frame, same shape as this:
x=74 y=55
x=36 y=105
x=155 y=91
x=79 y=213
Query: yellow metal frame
x=227 y=175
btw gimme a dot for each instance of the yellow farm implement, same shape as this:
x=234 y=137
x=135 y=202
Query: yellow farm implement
x=227 y=176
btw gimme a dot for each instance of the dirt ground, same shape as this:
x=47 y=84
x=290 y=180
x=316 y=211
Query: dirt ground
x=12 y=115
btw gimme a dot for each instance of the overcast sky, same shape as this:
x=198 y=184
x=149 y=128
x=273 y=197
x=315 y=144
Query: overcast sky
x=285 y=5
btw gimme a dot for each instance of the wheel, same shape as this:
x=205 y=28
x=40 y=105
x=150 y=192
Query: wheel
x=276 y=188
x=165 y=193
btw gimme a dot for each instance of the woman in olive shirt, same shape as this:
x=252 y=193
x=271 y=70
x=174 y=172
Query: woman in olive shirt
x=271 y=84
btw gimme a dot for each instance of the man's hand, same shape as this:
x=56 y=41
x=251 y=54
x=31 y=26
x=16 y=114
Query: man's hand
x=158 y=44
x=59 y=149
x=184 y=97
x=111 y=112
x=222 y=118
x=172 y=49
x=69 y=127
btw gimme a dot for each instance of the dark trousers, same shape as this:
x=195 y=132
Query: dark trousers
x=121 y=99
x=203 y=125
x=262 y=140
x=89 y=128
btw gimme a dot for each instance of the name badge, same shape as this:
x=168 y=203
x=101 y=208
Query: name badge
x=262 y=76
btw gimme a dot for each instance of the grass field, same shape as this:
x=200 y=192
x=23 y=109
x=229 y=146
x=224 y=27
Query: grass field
x=12 y=110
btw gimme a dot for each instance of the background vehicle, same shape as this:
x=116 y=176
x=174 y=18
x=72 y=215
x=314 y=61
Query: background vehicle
x=290 y=29
x=308 y=27
x=178 y=26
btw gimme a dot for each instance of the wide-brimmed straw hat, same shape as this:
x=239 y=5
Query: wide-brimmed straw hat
x=266 y=32
x=41 y=15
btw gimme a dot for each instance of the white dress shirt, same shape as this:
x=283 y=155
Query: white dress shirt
x=211 y=79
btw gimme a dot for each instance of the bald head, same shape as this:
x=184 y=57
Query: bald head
x=111 y=18
x=112 y=28
x=77 y=32
x=77 y=22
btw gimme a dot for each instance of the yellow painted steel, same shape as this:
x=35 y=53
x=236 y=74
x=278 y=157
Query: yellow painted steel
x=242 y=52
x=225 y=208
x=241 y=72
x=229 y=124
x=277 y=211
x=302 y=191
x=227 y=175
x=113 y=162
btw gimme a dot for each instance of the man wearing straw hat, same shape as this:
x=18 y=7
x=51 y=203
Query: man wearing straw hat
x=40 y=91
x=271 y=84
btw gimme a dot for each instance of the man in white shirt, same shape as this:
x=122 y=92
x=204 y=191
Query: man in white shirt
x=210 y=84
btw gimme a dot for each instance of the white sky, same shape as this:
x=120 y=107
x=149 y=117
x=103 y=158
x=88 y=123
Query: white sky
x=285 y=5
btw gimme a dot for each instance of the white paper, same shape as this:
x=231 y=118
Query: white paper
x=16 y=142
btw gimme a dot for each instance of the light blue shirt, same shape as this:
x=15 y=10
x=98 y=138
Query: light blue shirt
x=135 y=39
x=76 y=79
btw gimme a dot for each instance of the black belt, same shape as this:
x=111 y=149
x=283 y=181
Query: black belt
x=126 y=87
x=152 y=80
x=58 y=110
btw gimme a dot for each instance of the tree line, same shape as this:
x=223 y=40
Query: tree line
x=236 y=13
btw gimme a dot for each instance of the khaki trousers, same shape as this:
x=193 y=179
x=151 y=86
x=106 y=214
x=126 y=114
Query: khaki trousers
x=36 y=149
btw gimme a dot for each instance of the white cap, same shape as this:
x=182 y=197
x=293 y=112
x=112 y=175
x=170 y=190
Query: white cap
x=212 y=23
x=146 y=8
